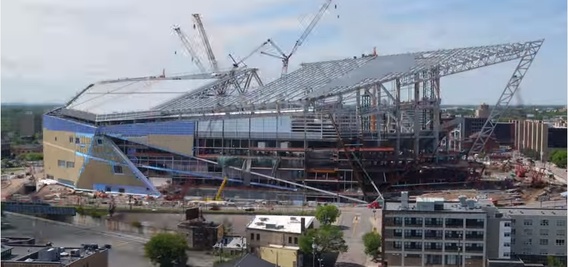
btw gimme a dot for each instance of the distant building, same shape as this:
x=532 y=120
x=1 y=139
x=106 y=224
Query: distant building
x=539 y=136
x=31 y=255
x=483 y=111
x=25 y=149
x=29 y=124
x=275 y=238
x=233 y=245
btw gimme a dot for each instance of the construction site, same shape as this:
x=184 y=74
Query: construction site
x=348 y=130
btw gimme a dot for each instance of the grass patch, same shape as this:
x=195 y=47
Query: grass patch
x=93 y=212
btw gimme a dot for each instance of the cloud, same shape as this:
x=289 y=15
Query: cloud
x=51 y=49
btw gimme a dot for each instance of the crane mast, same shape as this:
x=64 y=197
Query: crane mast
x=286 y=57
x=189 y=48
x=206 y=44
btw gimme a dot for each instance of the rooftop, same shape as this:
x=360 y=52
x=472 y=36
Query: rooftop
x=429 y=204
x=535 y=212
x=44 y=253
x=280 y=223
x=232 y=242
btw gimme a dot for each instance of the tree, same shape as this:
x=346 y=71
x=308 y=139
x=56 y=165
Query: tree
x=559 y=158
x=328 y=238
x=372 y=242
x=554 y=262
x=167 y=250
x=327 y=214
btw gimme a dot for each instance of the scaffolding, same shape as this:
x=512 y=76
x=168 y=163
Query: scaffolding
x=385 y=110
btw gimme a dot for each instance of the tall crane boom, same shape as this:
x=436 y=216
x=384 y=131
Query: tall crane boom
x=206 y=43
x=310 y=27
x=286 y=57
x=189 y=48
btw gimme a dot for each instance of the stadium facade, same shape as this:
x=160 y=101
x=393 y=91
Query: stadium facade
x=343 y=128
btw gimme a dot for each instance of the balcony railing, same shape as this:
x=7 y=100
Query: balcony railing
x=453 y=237
x=433 y=236
x=433 y=249
x=414 y=236
x=474 y=225
x=474 y=237
x=474 y=249
x=413 y=248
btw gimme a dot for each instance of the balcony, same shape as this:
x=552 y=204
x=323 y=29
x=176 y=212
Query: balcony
x=393 y=246
x=433 y=234
x=454 y=248
x=474 y=249
x=409 y=222
x=390 y=233
x=413 y=236
x=433 y=247
x=434 y=224
x=416 y=247
x=392 y=222
x=454 y=223
x=453 y=236
x=476 y=237
x=474 y=223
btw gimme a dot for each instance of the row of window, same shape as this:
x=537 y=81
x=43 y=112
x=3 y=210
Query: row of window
x=544 y=222
x=543 y=232
x=544 y=242
x=82 y=140
x=65 y=164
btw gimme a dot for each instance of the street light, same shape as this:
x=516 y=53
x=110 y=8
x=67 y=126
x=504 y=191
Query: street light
x=320 y=259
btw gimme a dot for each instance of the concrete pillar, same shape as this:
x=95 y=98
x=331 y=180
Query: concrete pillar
x=544 y=142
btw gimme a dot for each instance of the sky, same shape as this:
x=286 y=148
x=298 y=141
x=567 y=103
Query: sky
x=50 y=50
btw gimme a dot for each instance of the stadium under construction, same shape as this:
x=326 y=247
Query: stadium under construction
x=342 y=129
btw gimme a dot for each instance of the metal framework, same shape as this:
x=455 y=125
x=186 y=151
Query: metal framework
x=394 y=99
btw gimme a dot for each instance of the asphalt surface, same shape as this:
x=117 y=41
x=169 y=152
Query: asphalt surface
x=355 y=223
x=126 y=250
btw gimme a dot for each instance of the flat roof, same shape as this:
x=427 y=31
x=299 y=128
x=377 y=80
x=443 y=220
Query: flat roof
x=24 y=253
x=280 y=223
x=534 y=212
x=447 y=207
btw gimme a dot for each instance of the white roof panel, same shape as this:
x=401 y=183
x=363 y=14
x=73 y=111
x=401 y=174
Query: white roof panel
x=280 y=223
x=132 y=96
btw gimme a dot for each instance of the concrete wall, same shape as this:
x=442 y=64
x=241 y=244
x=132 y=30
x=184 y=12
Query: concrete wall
x=283 y=257
x=532 y=134
x=260 y=238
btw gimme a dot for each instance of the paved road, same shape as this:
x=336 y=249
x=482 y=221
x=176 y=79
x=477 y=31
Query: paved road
x=356 y=222
x=125 y=251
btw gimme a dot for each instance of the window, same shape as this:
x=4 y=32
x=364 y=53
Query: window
x=561 y=232
x=543 y=231
x=527 y=222
x=507 y=224
x=295 y=240
x=506 y=234
x=70 y=164
x=257 y=237
x=544 y=222
x=77 y=140
x=512 y=241
x=561 y=223
x=528 y=242
x=117 y=169
x=506 y=254
x=289 y=240
x=506 y=244
x=560 y=242
x=251 y=236
x=99 y=141
x=70 y=139
x=55 y=138
x=543 y=242
x=528 y=231
x=61 y=163
x=513 y=231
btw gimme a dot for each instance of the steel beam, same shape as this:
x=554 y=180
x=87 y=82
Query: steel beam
x=529 y=53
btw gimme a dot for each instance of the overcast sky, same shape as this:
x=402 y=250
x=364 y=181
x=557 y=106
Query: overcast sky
x=52 y=49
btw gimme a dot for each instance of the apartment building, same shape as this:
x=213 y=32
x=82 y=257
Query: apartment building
x=275 y=238
x=537 y=233
x=433 y=232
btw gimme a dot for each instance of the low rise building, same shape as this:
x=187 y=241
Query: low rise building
x=276 y=238
x=26 y=255
x=433 y=232
x=537 y=234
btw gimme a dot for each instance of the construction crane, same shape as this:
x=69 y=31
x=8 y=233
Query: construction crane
x=242 y=61
x=224 y=163
x=206 y=44
x=286 y=57
x=189 y=48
